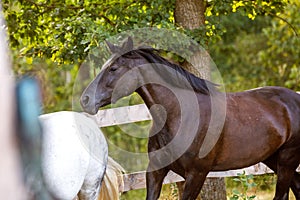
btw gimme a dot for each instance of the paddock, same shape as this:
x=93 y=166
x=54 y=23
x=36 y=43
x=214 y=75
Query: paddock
x=12 y=185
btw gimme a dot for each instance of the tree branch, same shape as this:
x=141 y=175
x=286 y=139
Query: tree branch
x=288 y=23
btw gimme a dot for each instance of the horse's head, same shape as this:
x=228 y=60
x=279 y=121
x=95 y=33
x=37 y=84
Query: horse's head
x=117 y=78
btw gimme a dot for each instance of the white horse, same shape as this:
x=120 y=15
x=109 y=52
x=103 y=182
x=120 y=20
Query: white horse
x=75 y=159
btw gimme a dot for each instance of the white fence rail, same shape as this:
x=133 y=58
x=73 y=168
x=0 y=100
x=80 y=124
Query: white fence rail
x=121 y=115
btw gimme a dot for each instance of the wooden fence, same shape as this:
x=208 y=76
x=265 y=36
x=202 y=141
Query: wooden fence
x=10 y=166
x=137 y=180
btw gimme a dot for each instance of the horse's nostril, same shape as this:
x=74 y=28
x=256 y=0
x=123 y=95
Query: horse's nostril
x=85 y=100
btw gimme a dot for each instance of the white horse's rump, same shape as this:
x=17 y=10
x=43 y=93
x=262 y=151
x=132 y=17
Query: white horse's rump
x=74 y=156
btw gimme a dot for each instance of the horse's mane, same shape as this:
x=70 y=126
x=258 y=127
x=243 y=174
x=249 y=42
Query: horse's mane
x=197 y=84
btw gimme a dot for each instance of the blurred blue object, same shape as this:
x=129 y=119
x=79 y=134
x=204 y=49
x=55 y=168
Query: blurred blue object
x=29 y=133
x=29 y=107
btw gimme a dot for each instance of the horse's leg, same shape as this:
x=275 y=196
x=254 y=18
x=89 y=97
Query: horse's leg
x=193 y=184
x=180 y=187
x=271 y=162
x=154 y=180
x=284 y=178
x=296 y=185
x=288 y=161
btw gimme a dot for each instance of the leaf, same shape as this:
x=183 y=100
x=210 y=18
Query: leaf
x=235 y=191
x=236 y=179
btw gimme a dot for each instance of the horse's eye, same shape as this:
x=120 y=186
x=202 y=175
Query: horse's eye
x=112 y=69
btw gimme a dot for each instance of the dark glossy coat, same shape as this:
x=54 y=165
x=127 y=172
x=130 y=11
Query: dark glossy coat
x=198 y=129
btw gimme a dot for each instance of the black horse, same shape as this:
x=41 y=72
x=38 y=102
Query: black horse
x=259 y=125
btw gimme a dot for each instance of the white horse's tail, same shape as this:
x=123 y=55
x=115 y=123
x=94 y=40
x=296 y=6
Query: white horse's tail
x=112 y=181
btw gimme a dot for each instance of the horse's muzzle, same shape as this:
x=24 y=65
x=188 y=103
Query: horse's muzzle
x=88 y=105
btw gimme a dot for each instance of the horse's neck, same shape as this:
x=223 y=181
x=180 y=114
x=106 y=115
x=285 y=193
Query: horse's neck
x=154 y=94
x=158 y=99
x=163 y=107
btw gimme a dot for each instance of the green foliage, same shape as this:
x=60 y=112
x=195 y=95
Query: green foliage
x=246 y=182
x=260 y=52
x=253 y=43
x=282 y=57
x=66 y=31
x=55 y=82
x=216 y=11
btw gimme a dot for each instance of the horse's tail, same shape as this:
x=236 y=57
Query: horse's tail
x=112 y=181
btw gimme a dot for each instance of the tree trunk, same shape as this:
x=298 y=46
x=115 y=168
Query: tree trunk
x=213 y=188
x=190 y=15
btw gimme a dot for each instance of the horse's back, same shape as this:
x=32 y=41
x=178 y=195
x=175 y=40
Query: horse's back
x=275 y=100
x=74 y=150
x=284 y=101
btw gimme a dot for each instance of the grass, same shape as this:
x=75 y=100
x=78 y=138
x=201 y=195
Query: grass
x=264 y=190
x=168 y=194
x=268 y=195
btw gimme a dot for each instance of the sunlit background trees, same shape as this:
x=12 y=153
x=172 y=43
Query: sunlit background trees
x=253 y=43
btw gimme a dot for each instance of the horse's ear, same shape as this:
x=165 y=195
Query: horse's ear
x=127 y=45
x=113 y=48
